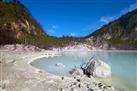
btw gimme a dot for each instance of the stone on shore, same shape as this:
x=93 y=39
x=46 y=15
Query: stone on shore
x=60 y=65
x=99 y=68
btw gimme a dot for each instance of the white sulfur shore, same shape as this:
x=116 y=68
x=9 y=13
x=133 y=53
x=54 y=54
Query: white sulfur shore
x=18 y=75
x=84 y=47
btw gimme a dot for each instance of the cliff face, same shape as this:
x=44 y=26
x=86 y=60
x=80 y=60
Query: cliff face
x=119 y=34
x=17 y=25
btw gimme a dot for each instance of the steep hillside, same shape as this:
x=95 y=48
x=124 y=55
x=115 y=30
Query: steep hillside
x=119 y=34
x=17 y=24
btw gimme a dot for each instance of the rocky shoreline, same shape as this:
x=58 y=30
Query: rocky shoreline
x=18 y=75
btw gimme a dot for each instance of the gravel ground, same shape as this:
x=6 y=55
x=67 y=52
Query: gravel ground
x=18 y=75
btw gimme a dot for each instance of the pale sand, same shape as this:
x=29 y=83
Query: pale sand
x=18 y=75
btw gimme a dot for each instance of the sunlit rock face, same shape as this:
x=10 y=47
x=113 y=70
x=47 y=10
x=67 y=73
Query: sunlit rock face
x=99 y=68
x=80 y=47
x=17 y=25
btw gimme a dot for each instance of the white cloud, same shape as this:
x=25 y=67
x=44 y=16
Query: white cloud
x=72 y=34
x=106 y=19
x=130 y=8
x=92 y=27
x=52 y=29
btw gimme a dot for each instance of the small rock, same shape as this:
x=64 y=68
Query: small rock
x=74 y=83
x=100 y=85
x=74 y=77
x=78 y=80
x=72 y=89
x=79 y=85
x=96 y=84
x=39 y=71
x=87 y=85
x=104 y=87
x=76 y=72
x=90 y=89
x=61 y=89
x=62 y=78
x=60 y=65
x=3 y=86
x=108 y=87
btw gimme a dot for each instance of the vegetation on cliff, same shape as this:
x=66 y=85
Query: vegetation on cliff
x=121 y=33
x=17 y=25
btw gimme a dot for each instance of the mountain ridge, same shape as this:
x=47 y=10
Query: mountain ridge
x=18 y=26
x=118 y=34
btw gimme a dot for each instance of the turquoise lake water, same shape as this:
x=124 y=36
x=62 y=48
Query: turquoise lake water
x=123 y=66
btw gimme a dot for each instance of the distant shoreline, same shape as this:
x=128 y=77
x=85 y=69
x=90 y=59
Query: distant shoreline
x=116 y=50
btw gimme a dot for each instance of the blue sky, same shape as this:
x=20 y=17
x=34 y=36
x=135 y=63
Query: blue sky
x=76 y=17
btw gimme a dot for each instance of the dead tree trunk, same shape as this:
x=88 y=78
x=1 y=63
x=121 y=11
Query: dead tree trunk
x=84 y=68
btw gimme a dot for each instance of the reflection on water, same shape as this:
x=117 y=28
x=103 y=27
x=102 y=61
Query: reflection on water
x=123 y=66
